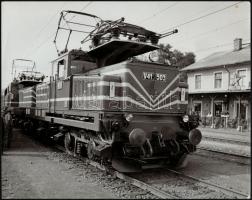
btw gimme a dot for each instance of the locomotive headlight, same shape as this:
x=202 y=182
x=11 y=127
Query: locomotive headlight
x=137 y=137
x=128 y=117
x=195 y=136
x=185 y=118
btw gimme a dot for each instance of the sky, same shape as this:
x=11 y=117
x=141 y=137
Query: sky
x=204 y=27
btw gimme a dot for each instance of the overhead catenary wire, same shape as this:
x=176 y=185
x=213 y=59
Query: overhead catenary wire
x=203 y=16
x=50 y=37
x=217 y=46
x=157 y=13
x=204 y=10
x=49 y=21
x=88 y=4
x=42 y=43
x=213 y=30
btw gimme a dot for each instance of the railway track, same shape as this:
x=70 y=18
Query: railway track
x=203 y=151
x=183 y=186
x=227 y=140
x=114 y=174
x=140 y=184
x=169 y=184
x=155 y=189
x=212 y=185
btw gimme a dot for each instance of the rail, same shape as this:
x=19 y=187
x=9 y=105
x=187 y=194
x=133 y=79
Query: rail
x=132 y=181
x=242 y=159
x=151 y=188
x=211 y=185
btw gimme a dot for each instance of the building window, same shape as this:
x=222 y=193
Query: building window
x=242 y=110
x=197 y=81
x=241 y=77
x=217 y=80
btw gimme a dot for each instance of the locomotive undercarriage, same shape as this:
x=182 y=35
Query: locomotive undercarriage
x=154 y=153
x=114 y=147
x=126 y=157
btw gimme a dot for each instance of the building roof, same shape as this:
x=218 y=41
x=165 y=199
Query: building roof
x=222 y=58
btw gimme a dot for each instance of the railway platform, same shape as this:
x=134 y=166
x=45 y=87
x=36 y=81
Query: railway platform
x=227 y=140
x=28 y=172
x=226 y=130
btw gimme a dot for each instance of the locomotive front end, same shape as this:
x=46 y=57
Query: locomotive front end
x=150 y=141
x=153 y=129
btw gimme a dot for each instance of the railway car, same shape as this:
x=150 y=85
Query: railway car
x=109 y=106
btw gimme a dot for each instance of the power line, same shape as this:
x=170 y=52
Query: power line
x=157 y=13
x=50 y=37
x=203 y=16
x=212 y=30
x=217 y=46
x=88 y=4
x=51 y=19
x=204 y=10
x=42 y=43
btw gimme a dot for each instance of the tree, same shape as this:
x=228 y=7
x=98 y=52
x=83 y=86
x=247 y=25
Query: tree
x=175 y=57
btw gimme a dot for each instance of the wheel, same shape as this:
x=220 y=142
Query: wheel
x=69 y=142
x=90 y=150
x=180 y=161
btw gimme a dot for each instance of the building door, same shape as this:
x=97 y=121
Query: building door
x=243 y=110
x=197 y=108
x=217 y=109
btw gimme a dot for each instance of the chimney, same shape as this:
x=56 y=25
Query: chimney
x=237 y=44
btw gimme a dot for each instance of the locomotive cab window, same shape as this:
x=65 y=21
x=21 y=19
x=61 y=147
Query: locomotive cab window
x=61 y=69
x=79 y=65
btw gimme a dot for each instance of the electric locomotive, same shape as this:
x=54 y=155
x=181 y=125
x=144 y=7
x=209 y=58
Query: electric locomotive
x=108 y=105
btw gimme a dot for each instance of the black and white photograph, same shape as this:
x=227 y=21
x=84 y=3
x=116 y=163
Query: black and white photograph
x=125 y=100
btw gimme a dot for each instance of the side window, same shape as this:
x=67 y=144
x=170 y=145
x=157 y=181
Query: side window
x=241 y=75
x=61 y=69
x=54 y=69
x=197 y=81
x=217 y=79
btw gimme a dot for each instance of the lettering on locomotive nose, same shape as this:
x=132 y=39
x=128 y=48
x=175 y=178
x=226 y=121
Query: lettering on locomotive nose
x=154 y=76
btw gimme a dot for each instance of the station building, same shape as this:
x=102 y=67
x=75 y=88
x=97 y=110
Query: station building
x=219 y=88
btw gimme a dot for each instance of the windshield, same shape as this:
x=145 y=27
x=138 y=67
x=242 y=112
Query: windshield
x=80 y=66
